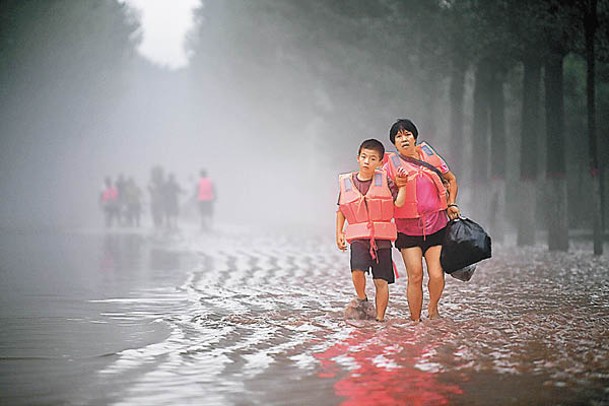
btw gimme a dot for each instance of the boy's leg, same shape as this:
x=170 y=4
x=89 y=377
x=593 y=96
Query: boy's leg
x=436 y=279
x=360 y=262
x=359 y=283
x=413 y=260
x=383 y=275
x=382 y=298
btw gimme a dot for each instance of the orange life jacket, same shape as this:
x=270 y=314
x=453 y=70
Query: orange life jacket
x=110 y=195
x=206 y=190
x=427 y=154
x=368 y=216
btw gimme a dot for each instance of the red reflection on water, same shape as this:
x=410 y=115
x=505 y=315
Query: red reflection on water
x=381 y=369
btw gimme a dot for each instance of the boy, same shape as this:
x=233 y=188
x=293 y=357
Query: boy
x=366 y=202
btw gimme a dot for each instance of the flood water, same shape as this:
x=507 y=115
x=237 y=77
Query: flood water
x=137 y=317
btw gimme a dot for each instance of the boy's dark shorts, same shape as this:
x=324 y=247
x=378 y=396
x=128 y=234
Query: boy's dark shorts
x=362 y=260
x=409 y=241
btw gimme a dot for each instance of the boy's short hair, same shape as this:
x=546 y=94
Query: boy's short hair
x=403 y=124
x=374 y=145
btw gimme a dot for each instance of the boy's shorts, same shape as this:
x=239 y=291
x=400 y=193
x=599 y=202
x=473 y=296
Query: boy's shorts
x=409 y=241
x=362 y=260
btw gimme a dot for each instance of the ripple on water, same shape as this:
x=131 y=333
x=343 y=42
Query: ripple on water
x=271 y=312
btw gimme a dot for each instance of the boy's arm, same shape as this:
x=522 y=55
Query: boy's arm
x=341 y=243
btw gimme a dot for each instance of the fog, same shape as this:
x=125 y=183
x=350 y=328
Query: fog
x=76 y=110
x=273 y=99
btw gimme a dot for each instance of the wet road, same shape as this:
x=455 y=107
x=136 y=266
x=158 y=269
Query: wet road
x=236 y=319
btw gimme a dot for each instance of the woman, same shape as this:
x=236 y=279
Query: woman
x=431 y=192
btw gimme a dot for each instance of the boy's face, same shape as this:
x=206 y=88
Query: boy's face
x=369 y=160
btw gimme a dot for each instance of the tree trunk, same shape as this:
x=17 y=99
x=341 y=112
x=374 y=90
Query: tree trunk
x=430 y=101
x=498 y=153
x=558 y=230
x=480 y=149
x=590 y=24
x=457 y=139
x=529 y=130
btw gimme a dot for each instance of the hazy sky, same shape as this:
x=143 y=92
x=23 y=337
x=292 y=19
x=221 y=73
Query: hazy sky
x=165 y=25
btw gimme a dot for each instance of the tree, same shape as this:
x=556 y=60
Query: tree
x=527 y=32
x=590 y=23
x=529 y=130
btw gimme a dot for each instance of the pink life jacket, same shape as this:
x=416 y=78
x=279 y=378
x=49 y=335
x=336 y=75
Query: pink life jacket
x=110 y=195
x=206 y=191
x=368 y=216
x=426 y=153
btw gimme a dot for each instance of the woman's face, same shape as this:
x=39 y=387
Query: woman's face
x=405 y=142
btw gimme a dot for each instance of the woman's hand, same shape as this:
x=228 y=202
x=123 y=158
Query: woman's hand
x=453 y=211
x=401 y=177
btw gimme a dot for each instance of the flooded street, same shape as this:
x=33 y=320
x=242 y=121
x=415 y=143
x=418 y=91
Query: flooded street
x=234 y=318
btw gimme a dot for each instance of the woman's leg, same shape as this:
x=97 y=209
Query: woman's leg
x=436 y=279
x=381 y=298
x=413 y=260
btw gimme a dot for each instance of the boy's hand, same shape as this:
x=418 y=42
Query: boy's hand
x=341 y=243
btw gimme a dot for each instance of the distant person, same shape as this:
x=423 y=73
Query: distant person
x=366 y=202
x=206 y=196
x=133 y=200
x=431 y=193
x=108 y=200
x=155 y=188
x=121 y=185
x=171 y=205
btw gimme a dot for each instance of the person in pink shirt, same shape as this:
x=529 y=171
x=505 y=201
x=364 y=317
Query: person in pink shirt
x=431 y=193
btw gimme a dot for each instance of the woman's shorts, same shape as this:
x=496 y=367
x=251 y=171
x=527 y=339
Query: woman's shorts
x=361 y=260
x=410 y=241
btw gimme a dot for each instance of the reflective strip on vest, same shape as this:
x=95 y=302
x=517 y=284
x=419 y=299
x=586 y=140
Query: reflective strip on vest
x=378 y=179
x=348 y=185
x=427 y=149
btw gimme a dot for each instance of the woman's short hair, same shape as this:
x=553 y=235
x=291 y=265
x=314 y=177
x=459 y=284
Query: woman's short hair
x=403 y=124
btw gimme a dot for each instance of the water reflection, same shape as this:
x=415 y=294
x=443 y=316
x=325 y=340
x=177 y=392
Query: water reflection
x=242 y=319
x=121 y=252
x=164 y=260
x=386 y=365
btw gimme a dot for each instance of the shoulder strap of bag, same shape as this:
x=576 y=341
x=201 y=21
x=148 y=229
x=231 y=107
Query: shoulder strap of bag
x=423 y=163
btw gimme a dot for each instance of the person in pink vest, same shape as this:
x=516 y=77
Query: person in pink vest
x=206 y=196
x=431 y=193
x=366 y=203
x=108 y=200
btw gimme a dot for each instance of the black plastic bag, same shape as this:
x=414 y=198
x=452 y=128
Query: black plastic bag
x=465 y=243
x=464 y=274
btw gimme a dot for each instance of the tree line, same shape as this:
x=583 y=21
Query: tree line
x=510 y=88
x=512 y=92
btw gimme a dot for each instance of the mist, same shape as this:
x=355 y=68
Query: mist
x=272 y=99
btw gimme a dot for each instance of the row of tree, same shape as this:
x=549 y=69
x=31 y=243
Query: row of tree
x=507 y=90
x=483 y=78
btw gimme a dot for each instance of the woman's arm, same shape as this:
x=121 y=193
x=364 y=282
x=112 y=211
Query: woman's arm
x=401 y=197
x=453 y=189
